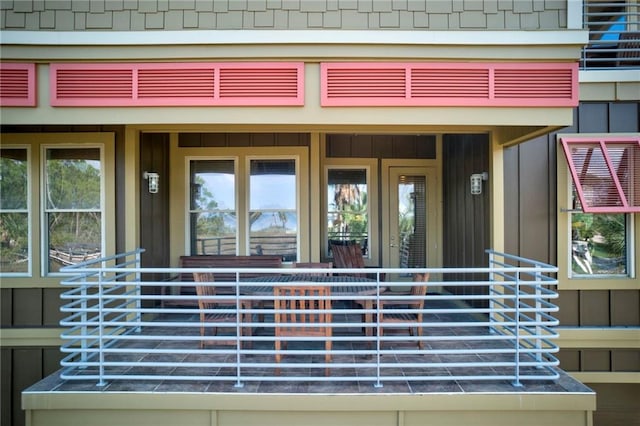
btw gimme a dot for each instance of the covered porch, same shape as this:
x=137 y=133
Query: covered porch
x=487 y=357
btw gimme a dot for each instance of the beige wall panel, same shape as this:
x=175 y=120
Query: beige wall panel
x=121 y=417
x=496 y=418
x=306 y=418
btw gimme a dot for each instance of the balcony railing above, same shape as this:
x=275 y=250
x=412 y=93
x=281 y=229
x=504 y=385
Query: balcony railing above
x=117 y=327
x=614 y=35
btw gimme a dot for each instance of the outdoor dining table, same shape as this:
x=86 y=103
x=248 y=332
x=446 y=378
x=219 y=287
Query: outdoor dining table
x=352 y=288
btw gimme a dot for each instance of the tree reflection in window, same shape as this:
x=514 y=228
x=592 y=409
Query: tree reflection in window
x=73 y=205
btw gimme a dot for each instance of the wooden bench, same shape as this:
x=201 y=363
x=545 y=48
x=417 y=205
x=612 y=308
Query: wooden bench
x=218 y=261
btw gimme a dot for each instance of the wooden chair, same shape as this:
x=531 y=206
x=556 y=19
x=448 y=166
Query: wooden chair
x=388 y=316
x=348 y=256
x=207 y=301
x=311 y=301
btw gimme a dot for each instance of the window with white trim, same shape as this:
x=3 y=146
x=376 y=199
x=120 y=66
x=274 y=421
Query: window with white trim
x=604 y=195
x=263 y=223
x=348 y=206
x=15 y=247
x=73 y=205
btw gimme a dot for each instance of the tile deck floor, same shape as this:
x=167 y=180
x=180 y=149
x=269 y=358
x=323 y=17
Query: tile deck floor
x=564 y=384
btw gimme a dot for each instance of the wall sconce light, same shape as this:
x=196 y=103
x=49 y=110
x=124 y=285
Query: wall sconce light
x=154 y=181
x=476 y=182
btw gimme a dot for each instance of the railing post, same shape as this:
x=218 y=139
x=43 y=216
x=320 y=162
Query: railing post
x=516 y=301
x=84 y=329
x=138 y=279
x=239 y=383
x=492 y=305
x=378 y=383
x=538 y=288
x=101 y=381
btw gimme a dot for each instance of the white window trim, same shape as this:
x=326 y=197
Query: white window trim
x=371 y=167
x=29 y=211
x=36 y=141
x=564 y=194
x=242 y=157
x=44 y=237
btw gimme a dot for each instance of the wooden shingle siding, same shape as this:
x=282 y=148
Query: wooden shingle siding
x=294 y=15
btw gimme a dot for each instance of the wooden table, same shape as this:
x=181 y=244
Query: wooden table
x=354 y=287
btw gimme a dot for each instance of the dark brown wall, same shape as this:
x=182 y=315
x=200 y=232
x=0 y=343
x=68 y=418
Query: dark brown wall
x=466 y=217
x=154 y=208
x=381 y=146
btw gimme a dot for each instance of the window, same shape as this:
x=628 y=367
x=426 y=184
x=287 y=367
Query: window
x=273 y=217
x=213 y=215
x=348 y=206
x=57 y=203
x=15 y=248
x=72 y=200
x=221 y=222
x=602 y=180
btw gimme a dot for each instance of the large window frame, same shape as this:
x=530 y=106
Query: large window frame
x=242 y=158
x=565 y=199
x=26 y=210
x=36 y=142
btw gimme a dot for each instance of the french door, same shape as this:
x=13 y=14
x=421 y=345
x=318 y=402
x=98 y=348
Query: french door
x=410 y=217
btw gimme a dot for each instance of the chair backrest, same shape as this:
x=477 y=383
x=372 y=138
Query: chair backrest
x=206 y=293
x=310 y=302
x=347 y=256
x=419 y=290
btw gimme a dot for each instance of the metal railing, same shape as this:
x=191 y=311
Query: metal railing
x=614 y=34
x=117 y=327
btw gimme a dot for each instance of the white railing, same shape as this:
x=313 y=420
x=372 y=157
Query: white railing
x=119 y=327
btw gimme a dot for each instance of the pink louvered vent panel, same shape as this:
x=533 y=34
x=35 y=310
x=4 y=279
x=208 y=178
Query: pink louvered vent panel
x=17 y=84
x=533 y=83
x=366 y=83
x=91 y=84
x=177 y=84
x=266 y=83
x=449 y=84
x=442 y=83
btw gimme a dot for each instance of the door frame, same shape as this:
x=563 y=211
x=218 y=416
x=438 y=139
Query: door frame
x=433 y=171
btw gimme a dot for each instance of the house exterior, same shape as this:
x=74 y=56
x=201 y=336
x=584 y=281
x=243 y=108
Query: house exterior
x=159 y=95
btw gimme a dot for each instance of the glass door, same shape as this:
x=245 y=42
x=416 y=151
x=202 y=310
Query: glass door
x=411 y=232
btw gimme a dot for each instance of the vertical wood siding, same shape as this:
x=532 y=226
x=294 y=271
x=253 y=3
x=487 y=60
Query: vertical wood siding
x=465 y=217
